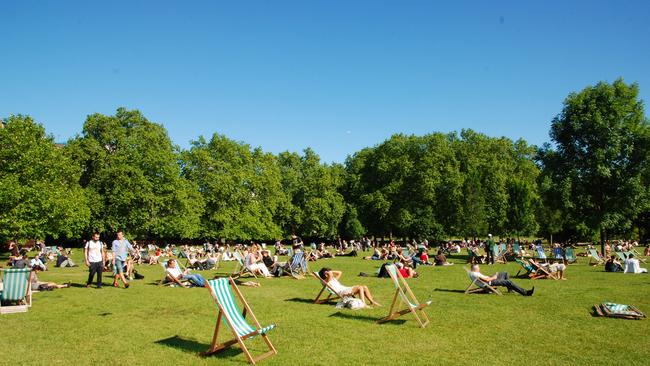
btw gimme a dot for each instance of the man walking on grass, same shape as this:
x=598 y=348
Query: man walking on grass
x=95 y=257
x=121 y=248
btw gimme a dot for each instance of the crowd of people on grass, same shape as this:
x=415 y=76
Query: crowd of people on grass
x=122 y=256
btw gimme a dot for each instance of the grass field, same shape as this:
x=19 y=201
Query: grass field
x=147 y=324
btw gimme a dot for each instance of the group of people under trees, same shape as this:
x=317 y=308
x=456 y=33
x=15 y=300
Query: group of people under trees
x=123 y=256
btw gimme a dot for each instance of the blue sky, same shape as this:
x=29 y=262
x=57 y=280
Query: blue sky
x=336 y=76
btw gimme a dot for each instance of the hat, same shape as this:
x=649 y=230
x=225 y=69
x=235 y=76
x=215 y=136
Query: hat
x=489 y=234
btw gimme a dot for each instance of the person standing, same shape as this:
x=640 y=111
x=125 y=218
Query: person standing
x=489 y=250
x=121 y=248
x=95 y=257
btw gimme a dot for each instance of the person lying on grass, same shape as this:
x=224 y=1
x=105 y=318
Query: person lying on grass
x=44 y=285
x=499 y=279
x=175 y=275
x=332 y=279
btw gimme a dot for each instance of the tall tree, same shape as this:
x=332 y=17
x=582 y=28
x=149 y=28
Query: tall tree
x=39 y=191
x=602 y=141
x=132 y=177
x=240 y=187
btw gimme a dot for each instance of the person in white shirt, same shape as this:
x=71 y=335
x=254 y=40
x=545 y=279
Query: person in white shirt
x=174 y=274
x=95 y=256
x=37 y=264
x=632 y=265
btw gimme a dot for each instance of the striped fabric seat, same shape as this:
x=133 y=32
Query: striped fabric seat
x=297 y=266
x=222 y=292
x=242 y=266
x=406 y=296
x=16 y=286
x=221 y=289
x=540 y=253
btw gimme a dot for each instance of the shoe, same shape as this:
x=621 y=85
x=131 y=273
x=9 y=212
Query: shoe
x=530 y=292
x=126 y=285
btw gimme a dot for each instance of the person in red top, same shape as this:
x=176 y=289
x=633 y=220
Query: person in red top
x=406 y=272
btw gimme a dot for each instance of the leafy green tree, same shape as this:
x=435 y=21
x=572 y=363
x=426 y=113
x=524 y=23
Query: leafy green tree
x=133 y=179
x=241 y=188
x=316 y=206
x=39 y=191
x=601 y=143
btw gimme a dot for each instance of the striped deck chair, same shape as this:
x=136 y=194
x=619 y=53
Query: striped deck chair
x=16 y=287
x=500 y=253
x=558 y=253
x=525 y=266
x=242 y=267
x=297 y=266
x=621 y=255
x=478 y=285
x=542 y=272
x=593 y=255
x=331 y=294
x=221 y=290
x=569 y=255
x=541 y=255
x=406 y=296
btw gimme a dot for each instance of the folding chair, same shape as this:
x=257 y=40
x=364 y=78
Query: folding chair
x=540 y=253
x=525 y=266
x=331 y=294
x=241 y=267
x=593 y=254
x=478 y=285
x=569 y=255
x=165 y=281
x=500 y=253
x=407 y=297
x=221 y=291
x=16 y=287
x=621 y=255
x=297 y=267
x=541 y=272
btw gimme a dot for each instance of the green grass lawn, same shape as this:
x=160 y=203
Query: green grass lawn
x=147 y=324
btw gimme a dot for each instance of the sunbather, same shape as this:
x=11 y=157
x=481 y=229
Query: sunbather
x=405 y=271
x=175 y=275
x=613 y=265
x=332 y=279
x=499 y=279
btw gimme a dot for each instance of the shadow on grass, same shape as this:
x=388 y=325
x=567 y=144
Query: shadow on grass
x=449 y=290
x=356 y=316
x=305 y=301
x=194 y=347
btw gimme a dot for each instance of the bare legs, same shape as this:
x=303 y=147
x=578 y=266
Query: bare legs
x=364 y=293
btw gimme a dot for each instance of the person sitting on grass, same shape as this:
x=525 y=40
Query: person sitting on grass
x=332 y=279
x=613 y=265
x=175 y=275
x=424 y=257
x=37 y=264
x=64 y=260
x=499 y=279
x=441 y=260
x=632 y=265
x=405 y=271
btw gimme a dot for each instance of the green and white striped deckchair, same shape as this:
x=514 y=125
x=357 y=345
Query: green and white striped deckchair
x=221 y=291
x=331 y=294
x=500 y=253
x=569 y=255
x=516 y=249
x=16 y=287
x=593 y=254
x=622 y=256
x=406 y=296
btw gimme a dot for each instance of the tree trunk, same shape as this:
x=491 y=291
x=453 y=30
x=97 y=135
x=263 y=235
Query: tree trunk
x=602 y=242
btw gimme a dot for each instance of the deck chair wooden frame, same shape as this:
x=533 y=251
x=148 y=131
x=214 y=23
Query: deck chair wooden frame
x=165 y=281
x=541 y=272
x=500 y=253
x=296 y=267
x=241 y=269
x=221 y=290
x=16 y=286
x=478 y=285
x=331 y=294
x=593 y=255
x=405 y=295
x=570 y=255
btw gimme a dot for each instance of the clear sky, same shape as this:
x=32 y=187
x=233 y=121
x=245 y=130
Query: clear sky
x=336 y=76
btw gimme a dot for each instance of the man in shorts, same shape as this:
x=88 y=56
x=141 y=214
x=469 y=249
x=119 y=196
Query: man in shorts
x=121 y=248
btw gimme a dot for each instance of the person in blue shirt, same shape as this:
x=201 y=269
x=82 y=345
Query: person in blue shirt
x=121 y=248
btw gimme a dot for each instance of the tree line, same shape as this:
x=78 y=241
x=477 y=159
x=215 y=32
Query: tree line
x=124 y=172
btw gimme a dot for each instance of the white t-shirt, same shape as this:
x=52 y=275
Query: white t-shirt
x=474 y=275
x=175 y=271
x=94 y=251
